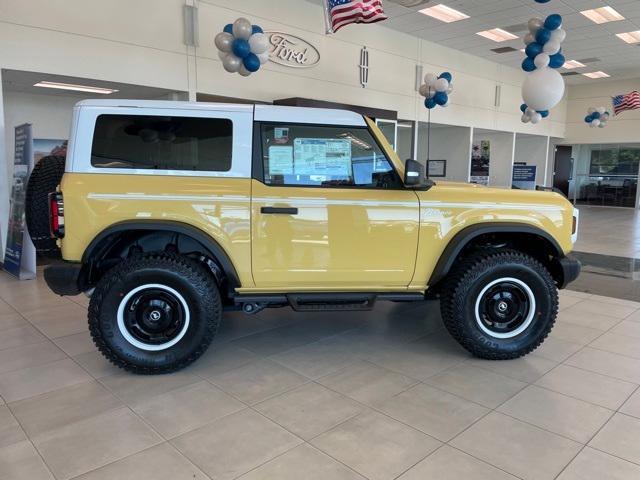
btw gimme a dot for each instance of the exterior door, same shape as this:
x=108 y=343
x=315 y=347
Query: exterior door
x=329 y=211
x=562 y=169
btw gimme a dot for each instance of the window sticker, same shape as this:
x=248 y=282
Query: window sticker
x=322 y=156
x=281 y=135
x=280 y=160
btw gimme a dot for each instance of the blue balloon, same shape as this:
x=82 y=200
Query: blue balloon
x=228 y=28
x=447 y=76
x=533 y=50
x=595 y=115
x=430 y=103
x=557 y=60
x=553 y=22
x=528 y=65
x=588 y=119
x=252 y=62
x=542 y=1
x=544 y=113
x=523 y=107
x=257 y=29
x=543 y=36
x=441 y=98
x=241 y=48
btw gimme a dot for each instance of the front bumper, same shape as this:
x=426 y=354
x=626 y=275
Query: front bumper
x=570 y=270
x=64 y=278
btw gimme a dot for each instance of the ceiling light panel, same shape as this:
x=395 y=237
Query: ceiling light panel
x=444 y=14
x=629 y=37
x=497 y=35
x=603 y=15
x=571 y=64
x=596 y=75
x=75 y=88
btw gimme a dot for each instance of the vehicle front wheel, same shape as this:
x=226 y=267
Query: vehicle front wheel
x=154 y=314
x=500 y=305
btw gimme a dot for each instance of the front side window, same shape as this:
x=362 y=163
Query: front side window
x=310 y=155
x=162 y=143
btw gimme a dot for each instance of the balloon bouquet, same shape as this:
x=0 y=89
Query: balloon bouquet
x=436 y=89
x=597 y=117
x=242 y=47
x=544 y=87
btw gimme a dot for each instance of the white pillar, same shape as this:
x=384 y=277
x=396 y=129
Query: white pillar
x=5 y=180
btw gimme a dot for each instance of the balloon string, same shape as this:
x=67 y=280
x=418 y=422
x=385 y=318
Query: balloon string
x=428 y=142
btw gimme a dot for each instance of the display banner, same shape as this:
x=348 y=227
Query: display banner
x=524 y=177
x=480 y=162
x=20 y=254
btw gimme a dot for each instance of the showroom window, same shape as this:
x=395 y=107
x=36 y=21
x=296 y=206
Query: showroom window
x=162 y=143
x=308 y=155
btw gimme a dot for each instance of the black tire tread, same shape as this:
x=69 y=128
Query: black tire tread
x=199 y=277
x=458 y=284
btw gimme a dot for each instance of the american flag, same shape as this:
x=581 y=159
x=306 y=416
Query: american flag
x=344 y=12
x=630 y=101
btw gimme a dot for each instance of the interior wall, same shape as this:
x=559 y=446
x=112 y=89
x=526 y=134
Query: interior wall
x=502 y=155
x=452 y=144
x=533 y=151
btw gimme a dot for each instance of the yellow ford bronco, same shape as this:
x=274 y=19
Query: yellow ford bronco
x=167 y=214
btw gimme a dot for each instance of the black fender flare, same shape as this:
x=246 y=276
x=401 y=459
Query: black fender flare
x=466 y=235
x=213 y=248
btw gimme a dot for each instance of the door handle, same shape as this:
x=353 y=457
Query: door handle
x=279 y=210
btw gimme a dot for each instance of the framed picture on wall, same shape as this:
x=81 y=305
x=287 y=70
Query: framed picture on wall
x=437 y=168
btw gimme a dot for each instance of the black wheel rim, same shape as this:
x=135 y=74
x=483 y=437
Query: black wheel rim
x=504 y=307
x=154 y=316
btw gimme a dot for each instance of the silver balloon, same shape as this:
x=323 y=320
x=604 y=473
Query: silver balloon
x=242 y=29
x=222 y=55
x=535 y=24
x=231 y=63
x=529 y=38
x=558 y=35
x=224 y=41
x=450 y=89
x=264 y=57
x=259 y=43
x=551 y=47
x=430 y=79
x=243 y=71
x=424 y=89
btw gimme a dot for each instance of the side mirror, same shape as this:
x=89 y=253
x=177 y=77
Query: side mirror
x=413 y=173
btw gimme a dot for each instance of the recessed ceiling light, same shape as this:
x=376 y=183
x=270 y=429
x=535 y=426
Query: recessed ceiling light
x=596 y=75
x=570 y=64
x=629 y=37
x=75 y=88
x=602 y=15
x=497 y=35
x=444 y=14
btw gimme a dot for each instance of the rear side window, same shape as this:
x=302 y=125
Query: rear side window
x=162 y=143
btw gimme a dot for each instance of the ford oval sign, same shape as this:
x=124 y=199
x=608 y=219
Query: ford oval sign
x=292 y=51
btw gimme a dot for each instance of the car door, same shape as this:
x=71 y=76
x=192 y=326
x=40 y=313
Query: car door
x=329 y=211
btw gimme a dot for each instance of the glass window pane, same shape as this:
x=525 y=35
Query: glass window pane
x=162 y=143
x=308 y=155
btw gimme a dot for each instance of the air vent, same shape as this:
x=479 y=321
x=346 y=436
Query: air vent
x=569 y=74
x=589 y=60
x=504 y=50
x=520 y=27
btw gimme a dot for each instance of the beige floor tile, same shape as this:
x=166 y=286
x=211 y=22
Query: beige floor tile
x=10 y=431
x=593 y=464
x=619 y=437
x=317 y=359
x=309 y=410
x=627 y=328
x=60 y=321
x=567 y=301
x=219 y=359
x=303 y=462
x=76 y=344
x=188 y=408
x=556 y=349
x=20 y=461
x=591 y=387
x=615 y=301
x=161 y=462
x=84 y=446
x=621 y=344
x=632 y=405
x=516 y=447
x=476 y=384
x=56 y=409
x=582 y=319
x=594 y=307
x=367 y=383
x=26 y=301
x=5 y=308
x=257 y=381
x=28 y=382
x=606 y=363
x=97 y=366
x=634 y=317
x=557 y=413
x=433 y=411
x=526 y=369
x=574 y=293
x=134 y=389
x=376 y=446
x=10 y=320
x=575 y=333
x=450 y=464
x=26 y=356
x=233 y=445
x=20 y=336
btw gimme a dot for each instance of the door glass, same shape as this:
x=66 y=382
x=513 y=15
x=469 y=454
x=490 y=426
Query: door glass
x=309 y=155
x=388 y=128
x=405 y=137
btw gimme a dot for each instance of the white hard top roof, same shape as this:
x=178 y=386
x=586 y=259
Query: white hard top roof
x=265 y=113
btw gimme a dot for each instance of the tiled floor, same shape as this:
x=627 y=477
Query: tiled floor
x=378 y=395
x=609 y=231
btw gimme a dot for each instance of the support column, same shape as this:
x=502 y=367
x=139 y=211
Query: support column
x=5 y=178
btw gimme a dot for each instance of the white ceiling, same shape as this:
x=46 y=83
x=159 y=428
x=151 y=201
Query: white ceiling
x=585 y=39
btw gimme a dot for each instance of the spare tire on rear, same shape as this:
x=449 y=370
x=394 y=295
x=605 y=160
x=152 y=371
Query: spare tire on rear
x=44 y=179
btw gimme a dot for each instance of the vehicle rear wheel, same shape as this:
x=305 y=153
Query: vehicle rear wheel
x=500 y=305
x=44 y=179
x=154 y=314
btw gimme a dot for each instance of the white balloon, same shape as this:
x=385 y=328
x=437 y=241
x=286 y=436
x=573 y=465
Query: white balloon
x=264 y=57
x=558 y=35
x=242 y=29
x=431 y=93
x=595 y=123
x=591 y=110
x=543 y=89
x=602 y=124
x=441 y=85
x=424 y=89
x=231 y=63
x=224 y=41
x=525 y=118
x=535 y=24
x=537 y=118
x=530 y=112
x=529 y=38
x=604 y=118
x=259 y=43
x=601 y=110
x=430 y=79
x=450 y=89
x=243 y=71
x=551 y=47
x=542 y=60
